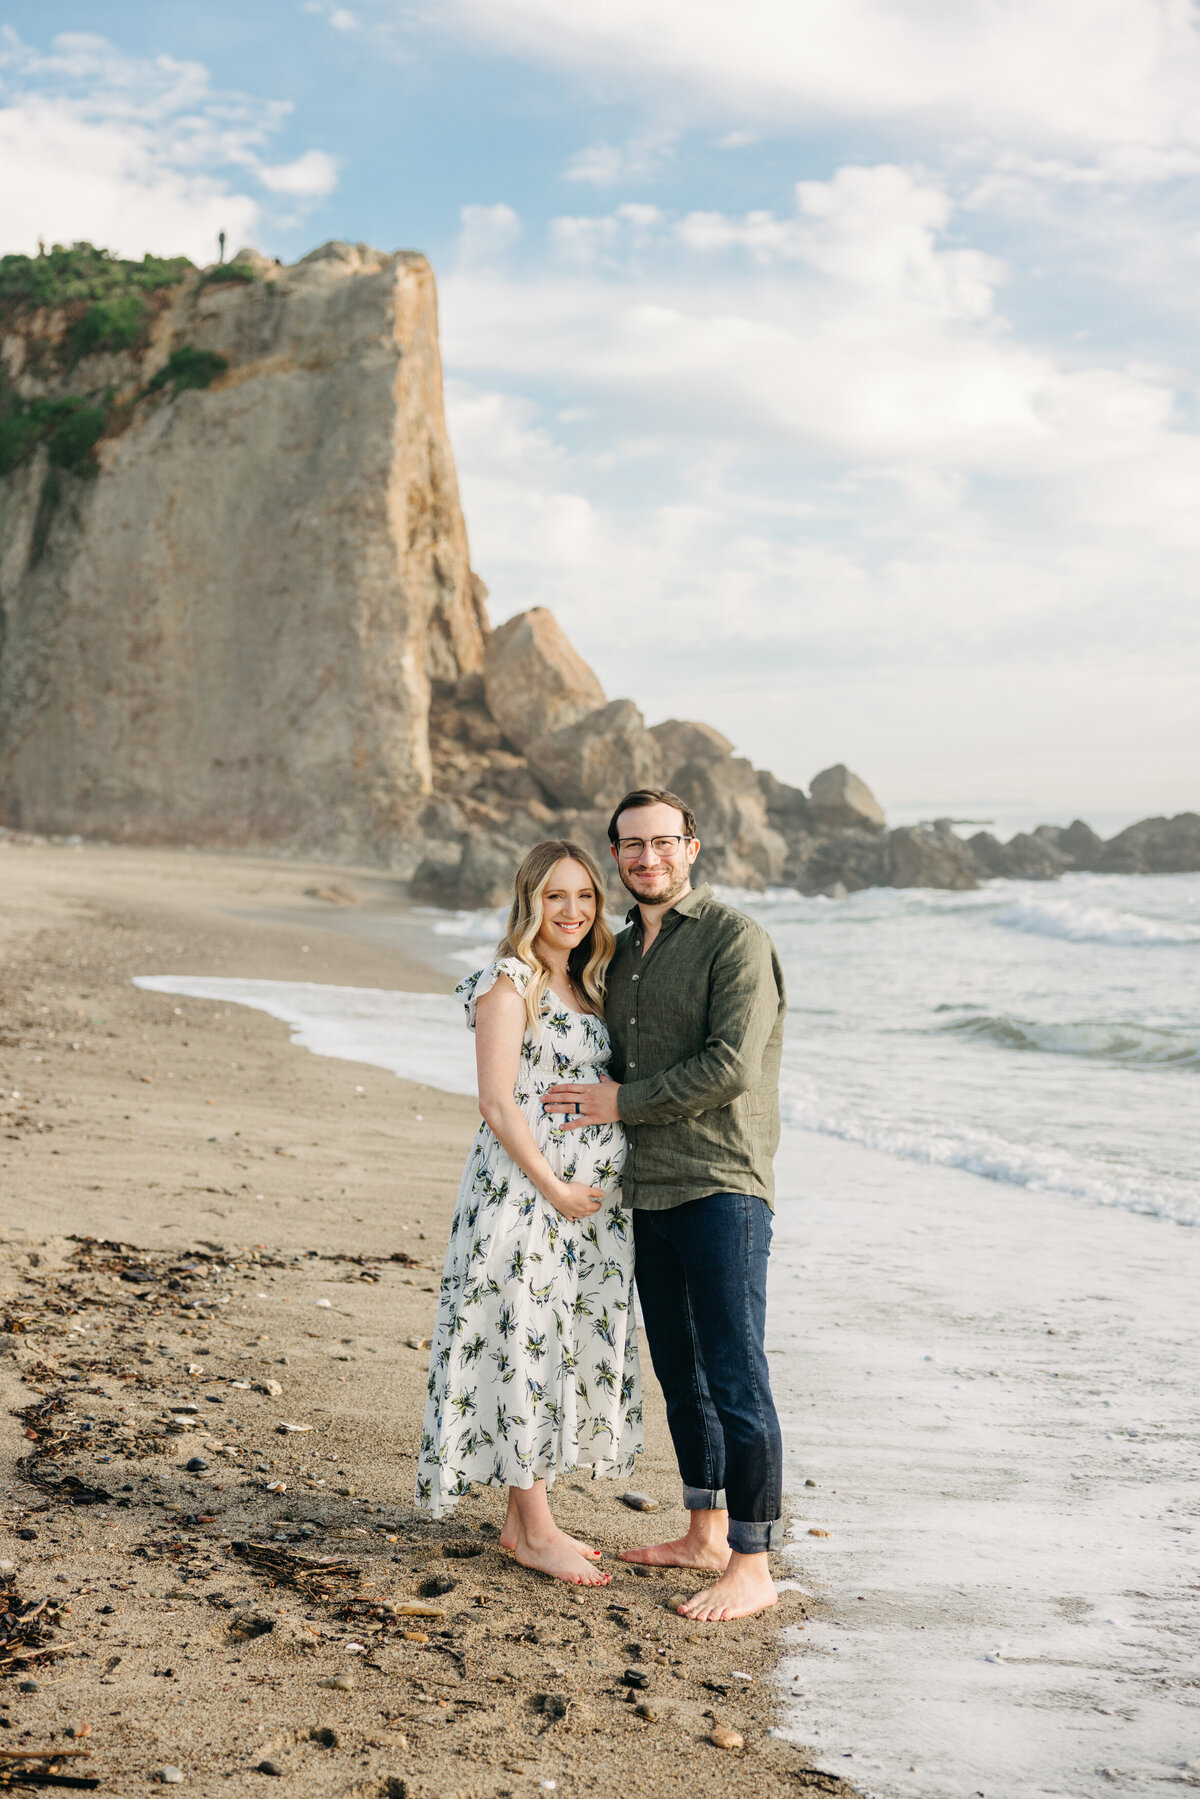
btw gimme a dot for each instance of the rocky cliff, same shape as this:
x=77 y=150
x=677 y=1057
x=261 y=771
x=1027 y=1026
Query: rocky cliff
x=237 y=608
x=223 y=623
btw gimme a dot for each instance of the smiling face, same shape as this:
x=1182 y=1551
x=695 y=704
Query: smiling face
x=656 y=877
x=569 y=902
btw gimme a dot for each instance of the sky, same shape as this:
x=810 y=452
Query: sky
x=829 y=367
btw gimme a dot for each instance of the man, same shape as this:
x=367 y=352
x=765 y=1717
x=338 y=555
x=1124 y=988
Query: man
x=695 y=1008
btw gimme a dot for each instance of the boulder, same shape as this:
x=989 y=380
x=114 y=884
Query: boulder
x=479 y=873
x=845 y=862
x=485 y=874
x=1081 y=845
x=921 y=857
x=1033 y=858
x=594 y=760
x=739 y=845
x=841 y=802
x=1029 y=856
x=1155 y=846
x=535 y=683
x=787 y=807
x=989 y=854
x=682 y=740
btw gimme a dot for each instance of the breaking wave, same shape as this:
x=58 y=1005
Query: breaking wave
x=1132 y=1044
x=1077 y=922
x=1042 y=1169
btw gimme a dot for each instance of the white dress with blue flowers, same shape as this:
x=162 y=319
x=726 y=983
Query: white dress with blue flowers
x=534 y=1365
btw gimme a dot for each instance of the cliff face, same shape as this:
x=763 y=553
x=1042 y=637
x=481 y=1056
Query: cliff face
x=231 y=632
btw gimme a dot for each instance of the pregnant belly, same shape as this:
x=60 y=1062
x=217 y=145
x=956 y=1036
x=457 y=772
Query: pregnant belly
x=593 y=1156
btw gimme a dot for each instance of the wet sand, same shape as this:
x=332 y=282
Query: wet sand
x=195 y=1209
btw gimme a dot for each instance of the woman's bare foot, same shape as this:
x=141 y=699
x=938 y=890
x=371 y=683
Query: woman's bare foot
x=745 y=1588
x=554 y=1555
x=509 y=1535
x=512 y=1528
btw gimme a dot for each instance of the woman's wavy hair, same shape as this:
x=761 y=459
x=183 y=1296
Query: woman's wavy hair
x=588 y=962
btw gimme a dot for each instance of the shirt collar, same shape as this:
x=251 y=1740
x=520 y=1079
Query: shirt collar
x=689 y=904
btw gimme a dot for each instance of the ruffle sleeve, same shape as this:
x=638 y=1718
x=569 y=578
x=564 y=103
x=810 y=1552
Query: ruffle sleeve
x=472 y=990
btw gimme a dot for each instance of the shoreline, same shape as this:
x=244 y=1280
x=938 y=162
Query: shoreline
x=195 y=1132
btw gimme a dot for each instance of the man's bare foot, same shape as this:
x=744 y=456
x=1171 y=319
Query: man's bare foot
x=745 y=1588
x=554 y=1555
x=684 y=1552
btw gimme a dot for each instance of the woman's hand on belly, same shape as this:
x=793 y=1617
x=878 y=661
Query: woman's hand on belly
x=574 y=1200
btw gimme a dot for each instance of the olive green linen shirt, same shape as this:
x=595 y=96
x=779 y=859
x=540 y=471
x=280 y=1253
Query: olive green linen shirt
x=697 y=1030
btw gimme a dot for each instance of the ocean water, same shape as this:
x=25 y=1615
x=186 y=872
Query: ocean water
x=983 y=1325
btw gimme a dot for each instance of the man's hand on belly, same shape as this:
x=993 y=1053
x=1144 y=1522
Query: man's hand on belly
x=583 y=1103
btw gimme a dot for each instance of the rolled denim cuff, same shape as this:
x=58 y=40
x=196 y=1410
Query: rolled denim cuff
x=705 y=1499
x=757 y=1538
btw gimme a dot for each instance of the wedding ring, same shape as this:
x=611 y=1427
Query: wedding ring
x=577 y=1108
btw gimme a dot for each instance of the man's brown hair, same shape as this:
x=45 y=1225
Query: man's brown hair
x=653 y=796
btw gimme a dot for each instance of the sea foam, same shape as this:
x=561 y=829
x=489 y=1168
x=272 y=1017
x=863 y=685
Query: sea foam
x=1077 y=922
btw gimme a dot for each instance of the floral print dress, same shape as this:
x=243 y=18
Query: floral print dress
x=534 y=1365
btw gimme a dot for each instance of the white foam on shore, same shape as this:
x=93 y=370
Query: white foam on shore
x=418 y=1036
x=1077 y=922
x=1040 y=1168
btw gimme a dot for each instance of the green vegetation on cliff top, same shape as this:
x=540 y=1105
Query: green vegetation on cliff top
x=106 y=309
x=82 y=272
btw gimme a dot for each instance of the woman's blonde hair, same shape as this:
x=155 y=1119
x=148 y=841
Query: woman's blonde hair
x=587 y=964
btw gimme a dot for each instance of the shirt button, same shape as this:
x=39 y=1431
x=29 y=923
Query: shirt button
x=633 y=1021
x=631 y=1064
x=637 y=977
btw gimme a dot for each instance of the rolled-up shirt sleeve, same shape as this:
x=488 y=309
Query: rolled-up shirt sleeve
x=744 y=1000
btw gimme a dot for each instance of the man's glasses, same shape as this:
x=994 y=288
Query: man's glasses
x=630 y=848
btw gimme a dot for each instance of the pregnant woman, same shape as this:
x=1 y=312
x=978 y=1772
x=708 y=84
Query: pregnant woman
x=534 y=1365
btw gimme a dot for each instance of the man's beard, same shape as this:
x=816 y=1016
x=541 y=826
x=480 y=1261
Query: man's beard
x=674 y=890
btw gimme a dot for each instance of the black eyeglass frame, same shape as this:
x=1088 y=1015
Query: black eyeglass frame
x=625 y=844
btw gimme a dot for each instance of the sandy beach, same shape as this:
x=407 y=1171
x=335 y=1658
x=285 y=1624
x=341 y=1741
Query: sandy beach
x=210 y=1235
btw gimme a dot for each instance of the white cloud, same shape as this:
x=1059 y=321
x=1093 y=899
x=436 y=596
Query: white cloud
x=311 y=176
x=136 y=153
x=340 y=17
x=639 y=158
x=487 y=233
x=824 y=489
x=1115 y=80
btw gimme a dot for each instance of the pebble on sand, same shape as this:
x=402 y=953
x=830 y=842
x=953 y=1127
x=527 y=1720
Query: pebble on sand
x=814 y=1532
x=725 y=1738
x=338 y=1683
x=268 y=1767
x=417 y=1342
x=271 y=1388
x=639 y=1502
x=644 y=1709
x=171 y=1777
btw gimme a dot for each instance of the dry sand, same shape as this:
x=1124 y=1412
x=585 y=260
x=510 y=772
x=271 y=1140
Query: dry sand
x=193 y=1208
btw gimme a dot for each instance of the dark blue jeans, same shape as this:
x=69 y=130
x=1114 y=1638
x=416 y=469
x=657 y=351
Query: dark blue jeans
x=702 y=1280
